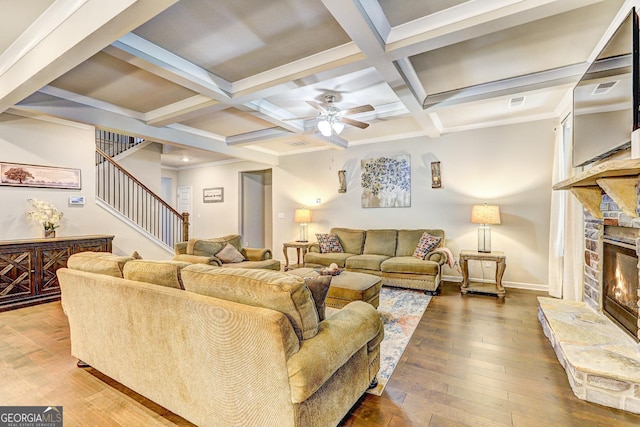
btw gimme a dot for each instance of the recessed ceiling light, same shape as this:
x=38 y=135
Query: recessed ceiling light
x=185 y=159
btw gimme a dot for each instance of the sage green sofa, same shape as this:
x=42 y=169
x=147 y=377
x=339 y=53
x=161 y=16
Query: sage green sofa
x=204 y=251
x=236 y=347
x=387 y=253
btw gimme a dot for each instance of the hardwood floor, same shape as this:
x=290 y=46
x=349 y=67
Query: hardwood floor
x=473 y=361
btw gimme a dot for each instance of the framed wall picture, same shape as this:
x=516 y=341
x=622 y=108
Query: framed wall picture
x=213 y=195
x=386 y=182
x=22 y=175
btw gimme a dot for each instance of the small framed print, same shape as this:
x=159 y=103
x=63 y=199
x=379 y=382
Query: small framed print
x=213 y=195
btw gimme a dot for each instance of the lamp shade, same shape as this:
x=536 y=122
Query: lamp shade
x=485 y=214
x=302 y=216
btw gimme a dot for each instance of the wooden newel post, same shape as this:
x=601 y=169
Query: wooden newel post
x=185 y=226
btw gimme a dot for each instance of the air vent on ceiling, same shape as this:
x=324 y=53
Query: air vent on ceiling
x=518 y=101
x=603 y=88
x=297 y=143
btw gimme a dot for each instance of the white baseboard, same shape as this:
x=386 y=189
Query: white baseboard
x=506 y=284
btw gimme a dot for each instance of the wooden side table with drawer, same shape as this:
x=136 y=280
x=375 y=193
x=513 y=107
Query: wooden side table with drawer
x=494 y=288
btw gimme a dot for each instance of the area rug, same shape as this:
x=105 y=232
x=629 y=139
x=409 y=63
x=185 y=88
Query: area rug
x=401 y=311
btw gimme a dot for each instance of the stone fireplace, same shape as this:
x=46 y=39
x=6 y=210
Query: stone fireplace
x=596 y=340
x=611 y=264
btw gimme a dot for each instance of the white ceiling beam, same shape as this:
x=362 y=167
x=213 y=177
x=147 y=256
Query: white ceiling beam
x=179 y=111
x=275 y=115
x=91 y=102
x=67 y=34
x=471 y=20
x=48 y=105
x=357 y=24
x=545 y=79
x=331 y=58
x=256 y=136
x=163 y=63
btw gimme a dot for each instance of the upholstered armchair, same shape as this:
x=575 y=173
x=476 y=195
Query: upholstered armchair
x=224 y=251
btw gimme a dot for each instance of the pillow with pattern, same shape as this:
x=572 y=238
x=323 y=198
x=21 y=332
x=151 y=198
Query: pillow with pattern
x=328 y=243
x=426 y=244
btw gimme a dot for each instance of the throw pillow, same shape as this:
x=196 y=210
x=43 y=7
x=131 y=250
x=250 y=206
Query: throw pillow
x=328 y=243
x=426 y=244
x=229 y=254
x=319 y=287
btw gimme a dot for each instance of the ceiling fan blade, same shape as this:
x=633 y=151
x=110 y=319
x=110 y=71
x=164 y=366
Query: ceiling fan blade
x=300 y=118
x=360 y=109
x=317 y=106
x=356 y=123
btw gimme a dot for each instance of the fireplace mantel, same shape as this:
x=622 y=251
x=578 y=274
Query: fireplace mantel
x=617 y=178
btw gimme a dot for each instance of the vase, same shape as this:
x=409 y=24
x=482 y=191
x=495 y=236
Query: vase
x=49 y=233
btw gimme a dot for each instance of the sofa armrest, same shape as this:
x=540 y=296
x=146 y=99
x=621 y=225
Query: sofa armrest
x=180 y=248
x=314 y=247
x=339 y=337
x=257 y=254
x=197 y=259
x=438 y=257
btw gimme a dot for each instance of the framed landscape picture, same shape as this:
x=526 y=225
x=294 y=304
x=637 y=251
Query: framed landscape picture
x=21 y=175
x=213 y=195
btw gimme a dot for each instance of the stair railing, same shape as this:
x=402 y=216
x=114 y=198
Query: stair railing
x=123 y=192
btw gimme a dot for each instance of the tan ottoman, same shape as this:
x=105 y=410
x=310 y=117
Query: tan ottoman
x=347 y=287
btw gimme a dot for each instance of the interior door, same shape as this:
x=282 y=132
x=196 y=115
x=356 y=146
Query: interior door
x=185 y=199
x=256 y=209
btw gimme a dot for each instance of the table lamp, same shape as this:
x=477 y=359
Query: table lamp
x=485 y=215
x=302 y=216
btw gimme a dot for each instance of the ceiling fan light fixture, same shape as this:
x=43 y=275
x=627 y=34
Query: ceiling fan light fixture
x=337 y=127
x=324 y=127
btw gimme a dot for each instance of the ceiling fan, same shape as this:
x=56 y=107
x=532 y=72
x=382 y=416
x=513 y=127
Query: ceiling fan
x=332 y=118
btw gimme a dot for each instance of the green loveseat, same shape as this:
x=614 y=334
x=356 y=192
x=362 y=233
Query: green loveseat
x=220 y=346
x=206 y=251
x=386 y=253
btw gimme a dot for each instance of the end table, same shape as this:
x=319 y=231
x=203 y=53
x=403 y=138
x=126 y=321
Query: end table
x=494 y=288
x=299 y=246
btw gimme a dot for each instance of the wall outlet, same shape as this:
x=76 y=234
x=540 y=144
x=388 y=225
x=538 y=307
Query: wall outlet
x=488 y=263
x=281 y=215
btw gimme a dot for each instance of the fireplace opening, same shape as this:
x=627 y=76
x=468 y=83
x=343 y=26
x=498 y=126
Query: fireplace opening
x=620 y=276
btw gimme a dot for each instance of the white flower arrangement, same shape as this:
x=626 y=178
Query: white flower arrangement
x=45 y=213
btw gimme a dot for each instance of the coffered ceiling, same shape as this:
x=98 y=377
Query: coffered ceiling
x=219 y=80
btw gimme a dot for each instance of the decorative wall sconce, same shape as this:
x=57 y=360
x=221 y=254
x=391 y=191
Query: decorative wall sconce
x=436 y=181
x=343 y=181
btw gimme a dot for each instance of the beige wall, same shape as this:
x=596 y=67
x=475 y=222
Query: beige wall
x=63 y=144
x=508 y=165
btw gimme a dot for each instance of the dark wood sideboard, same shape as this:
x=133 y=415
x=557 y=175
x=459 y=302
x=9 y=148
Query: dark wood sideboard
x=28 y=267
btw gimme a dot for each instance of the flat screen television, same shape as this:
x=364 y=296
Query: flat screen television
x=605 y=100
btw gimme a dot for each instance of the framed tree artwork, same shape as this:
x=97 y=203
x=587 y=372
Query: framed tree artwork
x=22 y=175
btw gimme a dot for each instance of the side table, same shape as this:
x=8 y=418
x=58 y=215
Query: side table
x=301 y=247
x=494 y=288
